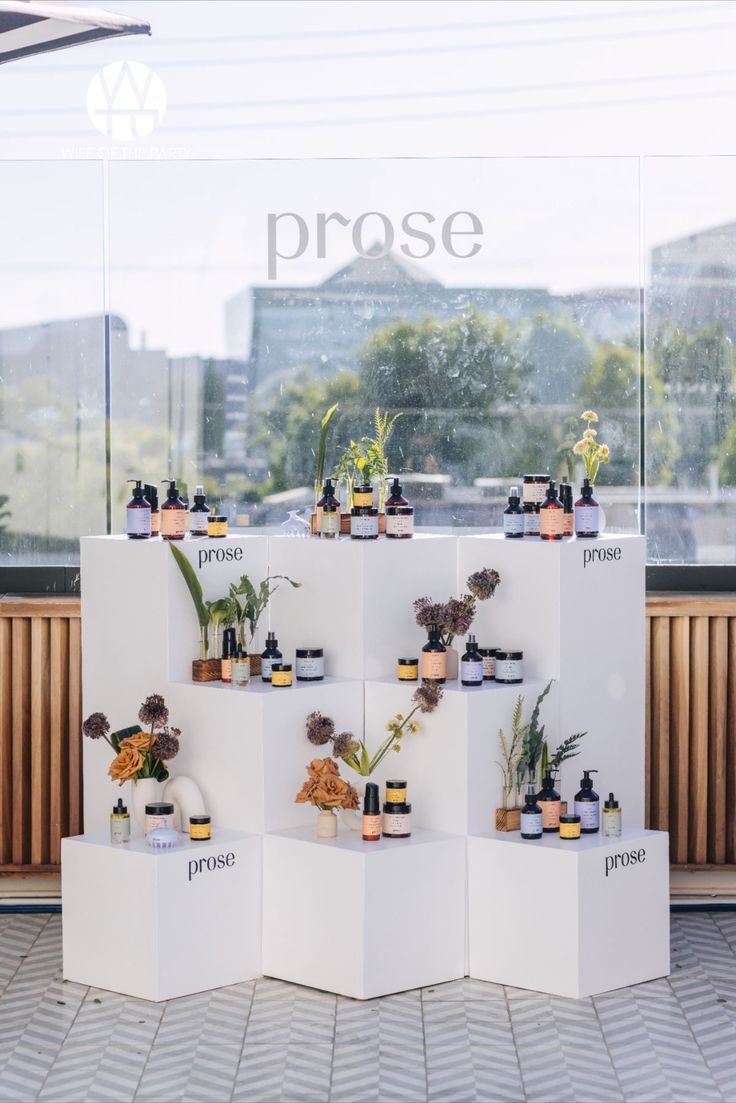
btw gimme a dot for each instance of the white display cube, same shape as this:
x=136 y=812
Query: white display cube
x=577 y=610
x=569 y=917
x=161 y=924
x=356 y=597
x=363 y=919
x=451 y=763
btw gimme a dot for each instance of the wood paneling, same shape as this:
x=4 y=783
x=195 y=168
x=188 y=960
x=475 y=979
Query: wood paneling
x=40 y=721
x=691 y=725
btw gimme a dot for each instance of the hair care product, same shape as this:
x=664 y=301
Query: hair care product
x=281 y=675
x=328 y=502
x=531 y=519
x=329 y=521
x=551 y=804
x=399 y=515
x=173 y=514
x=570 y=827
x=535 y=487
x=229 y=652
x=240 y=668
x=611 y=818
x=216 y=526
x=158 y=814
x=509 y=666
x=152 y=498
x=363 y=515
x=434 y=657
x=371 y=813
x=568 y=516
x=198 y=514
x=162 y=838
x=587 y=512
x=119 y=823
x=138 y=514
x=270 y=656
x=200 y=828
x=408 y=670
x=588 y=804
x=531 y=816
x=551 y=515
x=310 y=664
x=471 y=664
x=513 y=516
x=488 y=655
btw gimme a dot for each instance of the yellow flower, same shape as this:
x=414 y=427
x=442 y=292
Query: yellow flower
x=580 y=448
x=413 y=726
x=589 y=415
x=589 y=434
x=604 y=453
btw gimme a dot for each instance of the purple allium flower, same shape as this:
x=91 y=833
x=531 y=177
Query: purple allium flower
x=429 y=612
x=166 y=746
x=483 y=583
x=427 y=696
x=460 y=613
x=320 y=729
x=95 y=726
x=343 y=744
x=153 y=711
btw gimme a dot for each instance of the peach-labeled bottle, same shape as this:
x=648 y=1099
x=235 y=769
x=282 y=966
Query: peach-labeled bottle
x=434 y=657
x=371 y=814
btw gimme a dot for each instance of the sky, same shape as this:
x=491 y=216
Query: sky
x=570 y=129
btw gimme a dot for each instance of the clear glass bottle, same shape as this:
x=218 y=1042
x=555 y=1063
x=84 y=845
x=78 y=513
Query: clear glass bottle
x=611 y=818
x=119 y=823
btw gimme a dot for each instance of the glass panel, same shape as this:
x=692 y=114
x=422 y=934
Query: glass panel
x=248 y=297
x=52 y=393
x=690 y=219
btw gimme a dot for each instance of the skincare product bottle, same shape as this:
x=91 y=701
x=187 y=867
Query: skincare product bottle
x=509 y=667
x=240 y=667
x=328 y=498
x=513 y=516
x=488 y=655
x=471 y=665
x=371 y=814
x=158 y=814
x=152 y=498
x=173 y=514
x=587 y=512
x=551 y=515
x=363 y=515
x=119 y=823
x=198 y=514
x=396 y=822
x=396 y=791
x=270 y=656
x=531 y=816
x=408 y=670
x=588 y=804
x=329 y=522
x=216 y=526
x=434 y=657
x=229 y=651
x=531 y=519
x=570 y=827
x=138 y=514
x=281 y=675
x=310 y=664
x=399 y=515
x=568 y=515
x=200 y=828
x=551 y=804
x=611 y=818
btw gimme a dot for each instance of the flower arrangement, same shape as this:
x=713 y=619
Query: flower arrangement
x=368 y=457
x=325 y=789
x=138 y=753
x=245 y=603
x=455 y=616
x=592 y=453
x=353 y=752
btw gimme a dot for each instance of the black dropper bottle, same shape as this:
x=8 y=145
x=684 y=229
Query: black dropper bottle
x=531 y=816
x=471 y=664
x=152 y=497
x=513 y=516
x=588 y=805
x=270 y=656
x=399 y=514
x=138 y=514
x=199 y=513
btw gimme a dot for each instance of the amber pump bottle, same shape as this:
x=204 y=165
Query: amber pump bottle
x=138 y=514
x=551 y=515
x=568 y=516
x=434 y=657
x=399 y=514
x=152 y=497
x=173 y=514
x=551 y=804
x=587 y=513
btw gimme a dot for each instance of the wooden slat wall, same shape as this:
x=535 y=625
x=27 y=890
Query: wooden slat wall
x=40 y=721
x=691 y=725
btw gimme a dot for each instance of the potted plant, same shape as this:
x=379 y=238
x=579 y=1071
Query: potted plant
x=319 y=474
x=212 y=616
x=245 y=604
x=367 y=459
x=327 y=791
x=588 y=449
x=520 y=757
x=455 y=616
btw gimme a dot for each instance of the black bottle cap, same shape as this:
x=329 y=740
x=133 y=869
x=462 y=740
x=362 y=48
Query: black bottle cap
x=199 y=495
x=586 y=781
x=514 y=498
x=271 y=642
x=548 y=783
x=119 y=809
x=371 y=803
x=611 y=802
x=551 y=489
x=531 y=794
x=434 y=633
x=396 y=489
x=138 y=493
x=173 y=490
x=152 y=495
x=586 y=489
x=328 y=488
x=472 y=644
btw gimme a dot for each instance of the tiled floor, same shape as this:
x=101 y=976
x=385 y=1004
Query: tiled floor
x=268 y=1041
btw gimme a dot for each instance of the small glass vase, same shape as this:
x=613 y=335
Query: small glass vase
x=453 y=661
x=326 y=824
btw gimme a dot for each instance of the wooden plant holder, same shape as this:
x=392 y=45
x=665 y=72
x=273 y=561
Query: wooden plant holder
x=206 y=670
x=255 y=665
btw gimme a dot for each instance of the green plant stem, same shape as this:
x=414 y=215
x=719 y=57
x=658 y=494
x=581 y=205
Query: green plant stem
x=393 y=737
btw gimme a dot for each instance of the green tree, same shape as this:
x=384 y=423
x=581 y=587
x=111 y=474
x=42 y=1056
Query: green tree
x=556 y=355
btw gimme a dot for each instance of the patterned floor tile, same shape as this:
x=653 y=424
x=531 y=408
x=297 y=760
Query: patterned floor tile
x=104 y=1016
x=466 y=989
x=189 y=1074
x=376 y=1074
x=474 y=1022
x=396 y=1019
x=210 y=1018
x=460 y=1071
x=287 y=1014
x=277 y=1072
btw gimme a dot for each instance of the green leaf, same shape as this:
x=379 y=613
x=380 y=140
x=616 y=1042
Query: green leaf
x=193 y=584
x=117 y=737
x=322 y=449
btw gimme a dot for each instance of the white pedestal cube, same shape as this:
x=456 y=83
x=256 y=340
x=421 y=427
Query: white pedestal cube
x=569 y=917
x=450 y=764
x=363 y=919
x=576 y=608
x=356 y=598
x=161 y=924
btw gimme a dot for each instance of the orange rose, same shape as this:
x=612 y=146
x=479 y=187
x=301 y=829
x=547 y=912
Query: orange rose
x=323 y=767
x=335 y=792
x=139 y=742
x=304 y=796
x=126 y=765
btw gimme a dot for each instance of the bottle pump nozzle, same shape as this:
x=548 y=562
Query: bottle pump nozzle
x=173 y=491
x=586 y=781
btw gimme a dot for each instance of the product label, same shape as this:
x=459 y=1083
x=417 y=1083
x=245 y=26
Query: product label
x=198 y=524
x=531 y=523
x=400 y=525
x=513 y=523
x=329 y=523
x=509 y=670
x=371 y=826
x=489 y=666
x=395 y=796
x=226 y=670
x=200 y=831
x=408 y=673
x=173 y=522
x=216 y=528
x=362 y=498
x=611 y=822
x=535 y=492
x=531 y=823
x=551 y=522
x=587 y=518
x=396 y=824
x=152 y=822
x=266 y=665
x=138 y=522
x=589 y=812
x=471 y=670
x=550 y=813
x=280 y=677
x=241 y=672
x=155 y=522
x=364 y=526
x=434 y=664
x=568 y=524
x=570 y=830
x=310 y=667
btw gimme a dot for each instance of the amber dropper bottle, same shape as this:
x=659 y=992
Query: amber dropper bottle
x=551 y=515
x=371 y=814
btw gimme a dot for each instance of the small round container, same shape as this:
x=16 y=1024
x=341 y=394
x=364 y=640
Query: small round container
x=216 y=526
x=364 y=523
x=162 y=838
x=489 y=663
x=200 y=828
x=396 y=821
x=310 y=664
x=570 y=827
x=396 y=792
x=158 y=815
x=281 y=675
x=509 y=667
x=408 y=670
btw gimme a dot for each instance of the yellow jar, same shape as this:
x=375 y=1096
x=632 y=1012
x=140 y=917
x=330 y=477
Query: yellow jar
x=569 y=827
x=281 y=675
x=216 y=525
x=200 y=827
x=396 y=792
x=408 y=670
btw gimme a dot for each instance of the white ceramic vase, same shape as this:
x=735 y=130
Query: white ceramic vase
x=326 y=824
x=185 y=795
x=146 y=790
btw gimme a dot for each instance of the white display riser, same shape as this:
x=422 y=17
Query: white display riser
x=356 y=598
x=363 y=919
x=577 y=609
x=451 y=763
x=246 y=749
x=161 y=924
x=567 y=916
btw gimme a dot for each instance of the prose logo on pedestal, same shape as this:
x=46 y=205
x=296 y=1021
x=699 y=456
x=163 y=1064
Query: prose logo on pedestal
x=220 y=555
x=213 y=862
x=628 y=858
x=601 y=555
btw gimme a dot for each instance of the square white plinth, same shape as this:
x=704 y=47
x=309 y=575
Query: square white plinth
x=573 y=918
x=161 y=924
x=363 y=919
